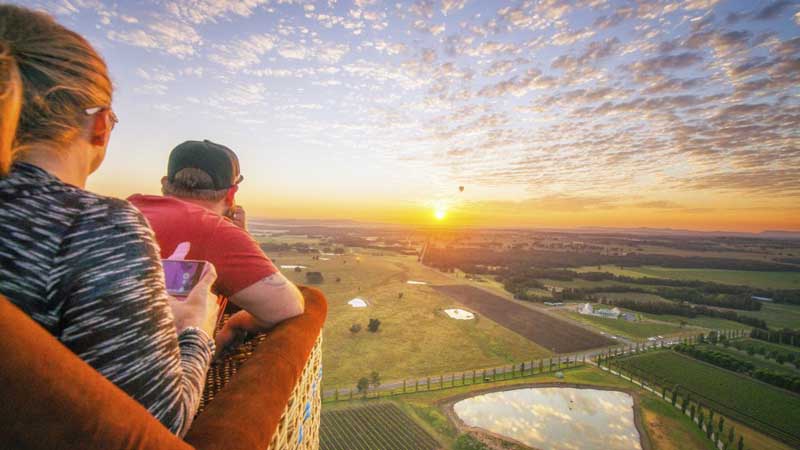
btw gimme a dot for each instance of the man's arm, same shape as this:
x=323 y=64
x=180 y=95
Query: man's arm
x=271 y=300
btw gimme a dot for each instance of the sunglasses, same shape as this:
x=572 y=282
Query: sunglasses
x=97 y=109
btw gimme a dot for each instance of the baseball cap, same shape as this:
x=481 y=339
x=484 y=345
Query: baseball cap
x=218 y=161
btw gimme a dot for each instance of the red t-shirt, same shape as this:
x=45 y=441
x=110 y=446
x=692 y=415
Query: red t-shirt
x=239 y=260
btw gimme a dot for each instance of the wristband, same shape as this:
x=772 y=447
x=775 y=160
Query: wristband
x=210 y=342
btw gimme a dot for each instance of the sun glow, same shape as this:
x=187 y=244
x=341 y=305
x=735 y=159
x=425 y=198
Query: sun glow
x=439 y=214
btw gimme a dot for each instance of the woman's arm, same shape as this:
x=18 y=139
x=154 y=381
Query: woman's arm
x=117 y=318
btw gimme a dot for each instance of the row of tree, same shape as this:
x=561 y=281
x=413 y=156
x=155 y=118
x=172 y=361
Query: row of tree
x=784 y=336
x=754 y=348
x=684 y=310
x=783 y=380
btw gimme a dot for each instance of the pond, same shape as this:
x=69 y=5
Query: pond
x=555 y=418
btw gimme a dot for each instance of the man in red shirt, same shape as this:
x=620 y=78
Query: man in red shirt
x=198 y=219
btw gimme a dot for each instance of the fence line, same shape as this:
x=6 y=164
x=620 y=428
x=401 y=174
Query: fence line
x=506 y=372
x=655 y=383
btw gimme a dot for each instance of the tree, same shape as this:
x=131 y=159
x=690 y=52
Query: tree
x=400 y=296
x=363 y=384
x=675 y=395
x=731 y=435
x=373 y=325
x=375 y=378
x=355 y=328
x=338 y=280
x=740 y=445
x=314 y=278
x=298 y=269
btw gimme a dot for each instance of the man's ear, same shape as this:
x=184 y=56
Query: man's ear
x=231 y=195
x=100 y=129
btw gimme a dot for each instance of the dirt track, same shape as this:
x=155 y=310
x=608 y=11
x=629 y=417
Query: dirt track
x=543 y=329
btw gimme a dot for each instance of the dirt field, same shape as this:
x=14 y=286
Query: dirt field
x=543 y=329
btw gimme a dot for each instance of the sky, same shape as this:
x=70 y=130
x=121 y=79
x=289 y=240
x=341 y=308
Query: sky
x=648 y=113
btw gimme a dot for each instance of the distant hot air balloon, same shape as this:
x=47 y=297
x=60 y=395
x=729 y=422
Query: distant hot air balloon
x=461 y=189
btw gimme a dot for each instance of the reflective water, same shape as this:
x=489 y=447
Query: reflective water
x=556 y=418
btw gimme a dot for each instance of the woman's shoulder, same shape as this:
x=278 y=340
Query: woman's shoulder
x=35 y=190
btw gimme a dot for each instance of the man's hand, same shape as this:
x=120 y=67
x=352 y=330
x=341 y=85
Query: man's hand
x=239 y=217
x=235 y=330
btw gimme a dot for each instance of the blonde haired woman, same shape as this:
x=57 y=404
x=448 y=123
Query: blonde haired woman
x=84 y=266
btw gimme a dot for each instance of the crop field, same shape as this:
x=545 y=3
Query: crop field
x=634 y=330
x=415 y=338
x=765 y=280
x=758 y=362
x=711 y=323
x=774 y=411
x=777 y=315
x=373 y=426
x=541 y=328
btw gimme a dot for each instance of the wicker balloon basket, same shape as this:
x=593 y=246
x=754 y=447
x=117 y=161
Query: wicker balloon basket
x=298 y=428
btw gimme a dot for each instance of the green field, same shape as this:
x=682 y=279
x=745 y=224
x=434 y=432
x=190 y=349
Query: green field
x=372 y=426
x=747 y=400
x=667 y=429
x=777 y=315
x=711 y=323
x=756 y=361
x=764 y=280
x=773 y=345
x=634 y=330
x=415 y=337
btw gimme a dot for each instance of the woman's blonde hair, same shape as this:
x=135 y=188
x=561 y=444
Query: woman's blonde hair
x=49 y=76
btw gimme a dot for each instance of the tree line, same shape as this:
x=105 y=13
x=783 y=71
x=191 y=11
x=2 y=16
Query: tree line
x=684 y=310
x=780 y=379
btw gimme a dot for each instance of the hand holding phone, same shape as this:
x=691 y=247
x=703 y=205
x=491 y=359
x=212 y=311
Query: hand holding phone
x=199 y=307
x=182 y=275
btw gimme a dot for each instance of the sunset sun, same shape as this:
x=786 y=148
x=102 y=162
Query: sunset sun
x=439 y=214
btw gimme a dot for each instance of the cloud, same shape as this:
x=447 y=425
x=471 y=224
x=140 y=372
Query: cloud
x=174 y=38
x=203 y=11
x=658 y=204
x=243 y=53
x=452 y=5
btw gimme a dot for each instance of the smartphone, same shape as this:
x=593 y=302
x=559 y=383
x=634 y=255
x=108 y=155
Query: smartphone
x=182 y=275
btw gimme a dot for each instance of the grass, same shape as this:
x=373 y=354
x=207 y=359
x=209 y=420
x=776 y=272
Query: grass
x=634 y=330
x=777 y=315
x=667 y=429
x=764 y=280
x=759 y=405
x=756 y=361
x=373 y=425
x=712 y=323
x=773 y=345
x=415 y=338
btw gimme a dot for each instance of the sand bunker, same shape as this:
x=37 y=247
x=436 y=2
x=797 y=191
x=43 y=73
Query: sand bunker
x=459 y=314
x=357 y=303
x=416 y=282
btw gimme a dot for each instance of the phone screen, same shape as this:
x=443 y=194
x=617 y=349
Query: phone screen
x=182 y=276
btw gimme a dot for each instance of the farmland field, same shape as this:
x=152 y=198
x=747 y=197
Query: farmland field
x=777 y=315
x=415 y=338
x=372 y=426
x=712 y=323
x=634 y=330
x=765 y=280
x=539 y=327
x=772 y=410
x=756 y=361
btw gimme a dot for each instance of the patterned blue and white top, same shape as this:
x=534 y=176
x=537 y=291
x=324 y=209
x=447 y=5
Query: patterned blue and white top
x=87 y=268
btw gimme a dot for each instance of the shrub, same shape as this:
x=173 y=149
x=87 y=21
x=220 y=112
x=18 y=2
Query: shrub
x=373 y=325
x=355 y=328
x=314 y=277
